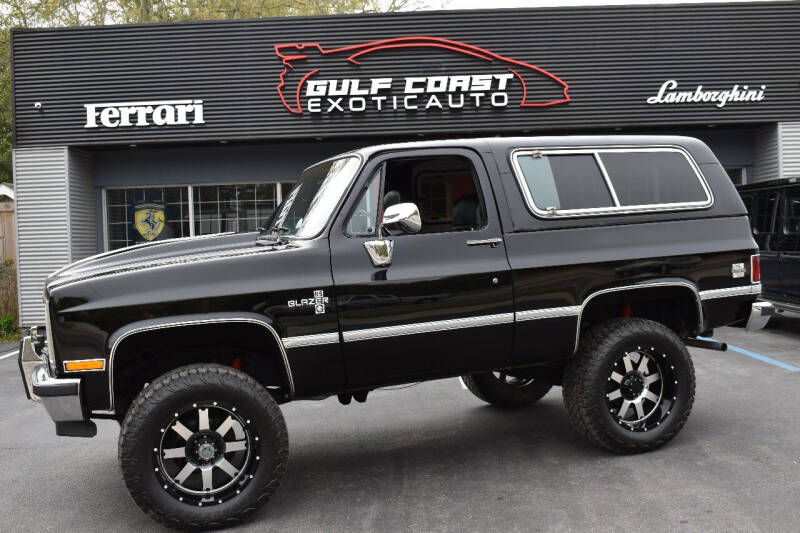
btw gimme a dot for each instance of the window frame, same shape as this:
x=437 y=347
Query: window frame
x=616 y=209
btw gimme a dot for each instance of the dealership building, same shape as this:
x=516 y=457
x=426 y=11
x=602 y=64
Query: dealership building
x=127 y=134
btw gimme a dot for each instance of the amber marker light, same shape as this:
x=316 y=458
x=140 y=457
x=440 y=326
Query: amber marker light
x=87 y=364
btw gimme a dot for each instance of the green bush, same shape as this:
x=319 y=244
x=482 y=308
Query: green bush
x=8 y=299
x=8 y=325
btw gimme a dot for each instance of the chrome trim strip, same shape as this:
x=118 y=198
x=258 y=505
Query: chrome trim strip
x=549 y=312
x=427 y=327
x=311 y=340
x=478 y=242
x=675 y=283
x=614 y=210
x=746 y=290
x=194 y=323
x=64 y=364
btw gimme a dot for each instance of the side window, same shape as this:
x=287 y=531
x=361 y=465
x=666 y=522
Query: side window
x=652 y=178
x=565 y=181
x=791 y=219
x=762 y=213
x=444 y=188
x=788 y=224
x=364 y=219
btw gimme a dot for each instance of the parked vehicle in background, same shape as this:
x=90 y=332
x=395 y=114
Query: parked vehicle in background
x=518 y=264
x=774 y=208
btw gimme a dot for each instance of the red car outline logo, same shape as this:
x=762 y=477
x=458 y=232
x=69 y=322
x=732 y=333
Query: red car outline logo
x=290 y=52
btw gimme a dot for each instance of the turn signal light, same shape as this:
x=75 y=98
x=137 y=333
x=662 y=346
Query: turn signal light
x=755 y=269
x=87 y=364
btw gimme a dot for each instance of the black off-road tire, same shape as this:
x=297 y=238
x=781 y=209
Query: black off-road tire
x=493 y=391
x=153 y=410
x=586 y=382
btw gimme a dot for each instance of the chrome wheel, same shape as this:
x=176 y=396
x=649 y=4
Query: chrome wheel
x=641 y=389
x=512 y=381
x=206 y=454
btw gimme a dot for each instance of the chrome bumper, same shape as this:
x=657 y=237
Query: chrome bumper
x=760 y=313
x=60 y=397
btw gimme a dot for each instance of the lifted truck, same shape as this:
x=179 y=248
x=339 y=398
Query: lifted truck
x=516 y=263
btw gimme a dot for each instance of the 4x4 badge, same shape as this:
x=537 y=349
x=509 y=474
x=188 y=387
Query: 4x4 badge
x=318 y=301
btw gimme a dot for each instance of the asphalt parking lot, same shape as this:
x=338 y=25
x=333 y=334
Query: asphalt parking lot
x=434 y=458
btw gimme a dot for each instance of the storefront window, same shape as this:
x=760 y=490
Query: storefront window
x=146 y=214
x=138 y=215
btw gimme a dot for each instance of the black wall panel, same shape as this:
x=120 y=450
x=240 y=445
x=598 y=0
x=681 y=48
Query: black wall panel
x=613 y=59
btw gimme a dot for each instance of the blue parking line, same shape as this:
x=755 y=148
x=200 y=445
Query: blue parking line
x=758 y=356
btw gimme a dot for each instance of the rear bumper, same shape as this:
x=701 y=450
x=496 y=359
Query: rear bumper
x=61 y=398
x=760 y=313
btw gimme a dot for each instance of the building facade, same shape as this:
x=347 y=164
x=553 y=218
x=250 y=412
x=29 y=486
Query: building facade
x=127 y=134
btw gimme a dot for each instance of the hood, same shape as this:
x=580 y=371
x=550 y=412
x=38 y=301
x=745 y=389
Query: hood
x=158 y=253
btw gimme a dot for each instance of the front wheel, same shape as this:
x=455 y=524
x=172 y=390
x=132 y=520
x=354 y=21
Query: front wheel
x=203 y=446
x=506 y=390
x=630 y=387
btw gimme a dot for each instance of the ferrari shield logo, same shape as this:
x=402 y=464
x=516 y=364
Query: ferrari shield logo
x=149 y=220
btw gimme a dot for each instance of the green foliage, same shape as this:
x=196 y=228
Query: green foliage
x=8 y=299
x=8 y=326
x=57 y=13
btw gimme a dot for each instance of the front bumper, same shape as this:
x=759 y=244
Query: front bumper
x=61 y=398
x=760 y=313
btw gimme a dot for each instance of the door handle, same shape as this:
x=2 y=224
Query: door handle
x=494 y=243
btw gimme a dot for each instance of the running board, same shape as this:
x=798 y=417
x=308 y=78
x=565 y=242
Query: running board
x=708 y=345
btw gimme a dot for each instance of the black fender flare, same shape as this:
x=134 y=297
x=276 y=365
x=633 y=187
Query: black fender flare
x=116 y=338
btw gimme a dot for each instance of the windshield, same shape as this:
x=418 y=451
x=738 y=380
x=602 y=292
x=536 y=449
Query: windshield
x=306 y=209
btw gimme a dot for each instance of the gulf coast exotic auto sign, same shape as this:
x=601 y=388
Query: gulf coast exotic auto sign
x=352 y=79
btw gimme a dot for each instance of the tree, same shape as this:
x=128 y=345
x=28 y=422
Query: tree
x=60 y=13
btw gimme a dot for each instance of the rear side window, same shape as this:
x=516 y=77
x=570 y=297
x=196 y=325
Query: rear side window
x=604 y=181
x=652 y=178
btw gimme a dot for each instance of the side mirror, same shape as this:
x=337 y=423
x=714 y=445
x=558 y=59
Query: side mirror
x=402 y=219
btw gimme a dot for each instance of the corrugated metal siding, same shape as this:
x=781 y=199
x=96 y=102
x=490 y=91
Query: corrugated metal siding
x=40 y=179
x=82 y=208
x=766 y=166
x=612 y=57
x=790 y=149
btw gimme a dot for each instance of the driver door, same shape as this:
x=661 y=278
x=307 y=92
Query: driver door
x=443 y=306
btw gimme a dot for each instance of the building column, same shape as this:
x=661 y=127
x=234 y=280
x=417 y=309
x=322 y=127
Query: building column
x=777 y=152
x=56 y=219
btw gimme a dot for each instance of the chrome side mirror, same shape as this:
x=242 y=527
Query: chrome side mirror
x=402 y=219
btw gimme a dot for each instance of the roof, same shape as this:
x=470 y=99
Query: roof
x=768 y=184
x=7 y=189
x=695 y=146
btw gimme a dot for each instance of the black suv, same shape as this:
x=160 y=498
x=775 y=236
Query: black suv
x=774 y=208
x=515 y=263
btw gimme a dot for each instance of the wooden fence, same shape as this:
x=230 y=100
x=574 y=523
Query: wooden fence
x=7 y=234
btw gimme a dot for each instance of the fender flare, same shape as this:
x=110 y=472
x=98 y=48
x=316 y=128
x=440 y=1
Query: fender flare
x=664 y=282
x=116 y=338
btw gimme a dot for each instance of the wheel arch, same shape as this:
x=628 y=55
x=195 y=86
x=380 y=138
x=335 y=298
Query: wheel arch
x=257 y=324
x=623 y=293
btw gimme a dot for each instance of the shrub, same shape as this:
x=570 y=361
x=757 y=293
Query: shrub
x=8 y=299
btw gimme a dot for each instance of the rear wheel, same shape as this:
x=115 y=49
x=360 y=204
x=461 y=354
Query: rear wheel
x=630 y=387
x=203 y=446
x=506 y=390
